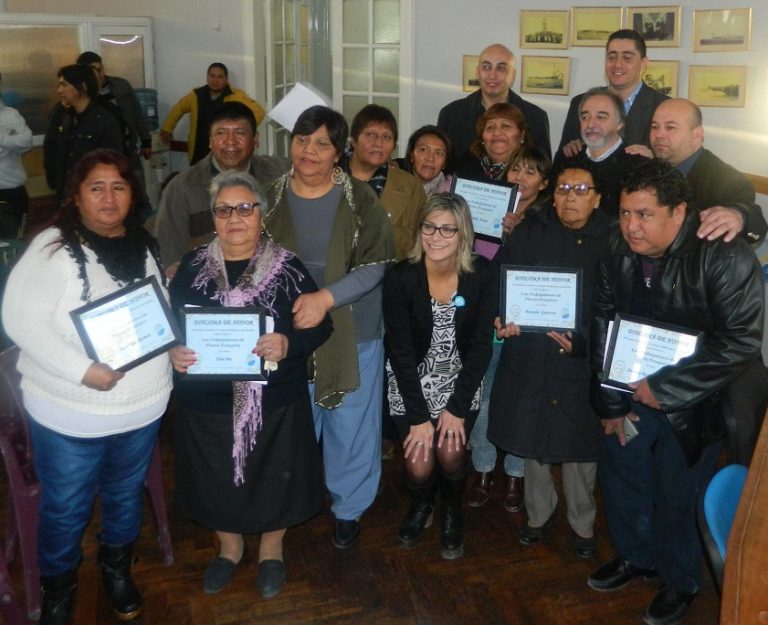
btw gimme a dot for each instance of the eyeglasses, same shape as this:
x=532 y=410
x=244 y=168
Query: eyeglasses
x=447 y=232
x=373 y=137
x=244 y=209
x=579 y=189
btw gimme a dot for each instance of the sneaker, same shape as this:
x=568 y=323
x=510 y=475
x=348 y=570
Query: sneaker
x=345 y=533
x=616 y=574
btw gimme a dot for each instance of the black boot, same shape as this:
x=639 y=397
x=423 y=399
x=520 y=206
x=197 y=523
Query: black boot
x=451 y=519
x=115 y=562
x=58 y=598
x=419 y=515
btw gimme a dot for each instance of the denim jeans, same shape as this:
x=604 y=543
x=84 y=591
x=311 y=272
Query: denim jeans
x=71 y=471
x=483 y=450
x=650 y=495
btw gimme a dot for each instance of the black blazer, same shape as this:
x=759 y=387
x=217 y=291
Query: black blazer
x=638 y=127
x=715 y=183
x=408 y=331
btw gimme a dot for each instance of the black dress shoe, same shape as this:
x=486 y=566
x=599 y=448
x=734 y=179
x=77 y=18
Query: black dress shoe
x=585 y=547
x=345 y=533
x=530 y=535
x=480 y=491
x=514 y=494
x=668 y=606
x=616 y=574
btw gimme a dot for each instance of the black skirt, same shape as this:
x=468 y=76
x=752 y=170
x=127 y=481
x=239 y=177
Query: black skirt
x=283 y=473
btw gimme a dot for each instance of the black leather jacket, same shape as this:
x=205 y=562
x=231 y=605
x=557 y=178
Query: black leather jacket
x=711 y=286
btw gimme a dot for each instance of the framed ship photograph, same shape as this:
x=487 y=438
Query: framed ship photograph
x=663 y=76
x=544 y=29
x=722 y=30
x=591 y=26
x=718 y=85
x=545 y=74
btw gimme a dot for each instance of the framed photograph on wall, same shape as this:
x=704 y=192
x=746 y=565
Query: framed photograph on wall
x=544 y=29
x=545 y=74
x=663 y=76
x=469 y=81
x=591 y=26
x=659 y=26
x=717 y=85
x=722 y=30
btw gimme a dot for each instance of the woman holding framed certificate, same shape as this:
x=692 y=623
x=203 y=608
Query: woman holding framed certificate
x=246 y=454
x=540 y=398
x=92 y=428
x=529 y=170
x=439 y=306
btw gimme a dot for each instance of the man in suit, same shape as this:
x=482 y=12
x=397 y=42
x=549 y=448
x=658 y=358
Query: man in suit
x=625 y=62
x=495 y=73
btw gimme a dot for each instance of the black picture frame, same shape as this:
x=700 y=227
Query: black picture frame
x=98 y=347
x=257 y=313
x=610 y=367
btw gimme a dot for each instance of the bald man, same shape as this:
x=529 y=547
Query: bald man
x=495 y=74
x=723 y=196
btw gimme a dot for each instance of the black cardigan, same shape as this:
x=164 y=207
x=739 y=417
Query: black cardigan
x=408 y=332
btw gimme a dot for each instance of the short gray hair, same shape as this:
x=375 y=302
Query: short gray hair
x=457 y=205
x=234 y=178
x=617 y=102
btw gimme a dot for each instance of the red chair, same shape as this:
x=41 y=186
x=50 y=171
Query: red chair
x=24 y=490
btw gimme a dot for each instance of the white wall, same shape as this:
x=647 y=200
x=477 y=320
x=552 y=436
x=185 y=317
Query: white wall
x=188 y=36
x=191 y=35
x=447 y=29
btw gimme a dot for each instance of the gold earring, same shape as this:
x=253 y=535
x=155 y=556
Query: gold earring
x=337 y=175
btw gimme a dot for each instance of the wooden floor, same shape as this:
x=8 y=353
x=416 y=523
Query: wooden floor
x=497 y=582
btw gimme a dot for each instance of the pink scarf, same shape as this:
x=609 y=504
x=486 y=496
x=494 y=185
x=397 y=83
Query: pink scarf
x=267 y=274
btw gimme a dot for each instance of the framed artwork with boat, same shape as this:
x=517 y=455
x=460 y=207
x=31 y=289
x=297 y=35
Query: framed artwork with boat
x=722 y=30
x=545 y=74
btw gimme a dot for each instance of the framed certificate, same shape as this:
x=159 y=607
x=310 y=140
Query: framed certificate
x=489 y=201
x=127 y=327
x=223 y=340
x=540 y=299
x=637 y=348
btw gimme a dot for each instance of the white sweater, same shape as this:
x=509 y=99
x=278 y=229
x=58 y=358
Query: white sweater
x=15 y=140
x=42 y=289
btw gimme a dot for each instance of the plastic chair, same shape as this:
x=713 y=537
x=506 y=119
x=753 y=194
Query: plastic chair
x=9 y=607
x=24 y=490
x=717 y=509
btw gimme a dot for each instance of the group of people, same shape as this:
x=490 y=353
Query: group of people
x=386 y=306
